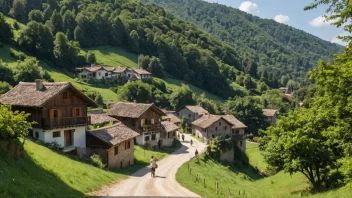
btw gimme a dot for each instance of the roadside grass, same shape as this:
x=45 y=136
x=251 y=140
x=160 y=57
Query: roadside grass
x=113 y=56
x=142 y=157
x=256 y=159
x=44 y=173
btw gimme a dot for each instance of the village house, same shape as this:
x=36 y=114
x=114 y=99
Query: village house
x=171 y=116
x=114 y=144
x=191 y=113
x=270 y=115
x=222 y=126
x=143 y=118
x=98 y=117
x=168 y=133
x=99 y=72
x=59 y=110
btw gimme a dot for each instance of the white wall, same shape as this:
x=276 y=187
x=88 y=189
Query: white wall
x=40 y=132
x=79 y=136
x=100 y=74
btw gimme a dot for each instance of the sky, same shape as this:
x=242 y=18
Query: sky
x=290 y=13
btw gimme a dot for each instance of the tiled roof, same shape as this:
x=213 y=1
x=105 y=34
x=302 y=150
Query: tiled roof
x=115 y=134
x=236 y=124
x=141 y=71
x=98 y=117
x=269 y=112
x=173 y=117
x=169 y=126
x=26 y=94
x=195 y=109
x=207 y=120
x=131 y=110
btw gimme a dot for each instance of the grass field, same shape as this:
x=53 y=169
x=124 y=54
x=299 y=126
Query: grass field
x=245 y=180
x=113 y=56
x=44 y=173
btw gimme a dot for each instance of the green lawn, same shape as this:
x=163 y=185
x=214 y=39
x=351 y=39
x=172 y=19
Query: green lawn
x=113 y=56
x=244 y=179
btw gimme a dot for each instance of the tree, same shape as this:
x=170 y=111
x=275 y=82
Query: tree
x=156 y=68
x=90 y=57
x=18 y=10
x=13 y=125
x=248 y=111
x=134 y=41
x=27 y=71
x=6 y=33
x=4 y=87
x=37 y=38
x=36 y=15
x=69 y=23
x=56 y=22
x=65 y=51
x=183 y=124
x=295 y=144
x=118 y=32
x=182 y=96
x=6 y=73
x=99 y=100
x=143 y=61
x=136 y=91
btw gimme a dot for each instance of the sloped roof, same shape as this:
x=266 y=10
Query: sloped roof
x=195 y=109
x=99 y=117
x=94 y=68
x=109 y=68
x=169 y=126
x=236 y=124
x=269 y=112
x=141 y=71
x=173 y=117
x=26 y=94
x=113 y=135
x=208 y=120
x=120 y=69
x=132 y=110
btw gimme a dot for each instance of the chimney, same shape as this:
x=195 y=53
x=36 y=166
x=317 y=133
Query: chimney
x=39 y=84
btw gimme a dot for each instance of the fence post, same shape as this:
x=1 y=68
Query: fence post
x=196 y=179
x=217 y=187
x=190 y=171
x=204 y=182
x=244 y=192
x=239 y=192
x=229 y=192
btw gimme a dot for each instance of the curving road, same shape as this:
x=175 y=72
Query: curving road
x=164 y=184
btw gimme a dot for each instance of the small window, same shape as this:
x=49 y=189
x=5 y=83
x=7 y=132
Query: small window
x=56 y=134
x=189 y=115
x=241 y=143
x=237 y=131
x=64 y=95
x=213 y=135
x=116 y=150
x=77 y=112
x=98 y=73
x=216 y=128
x=56 y=114
x=146 y=138
x=37 y=134
x=106 y=74
x=219 y=123
x=233 y=132
x=128 y=144
x=225 y=127
x=153 y=136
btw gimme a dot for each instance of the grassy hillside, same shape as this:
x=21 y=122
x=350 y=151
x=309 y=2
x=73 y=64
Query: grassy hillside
x=245 y=180
x=44 y=173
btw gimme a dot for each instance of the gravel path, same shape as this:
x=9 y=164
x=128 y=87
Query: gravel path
x=164 y=184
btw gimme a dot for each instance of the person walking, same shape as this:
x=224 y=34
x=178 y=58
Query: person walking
x=191 y=142
x=196 y=153
x=153 y=165
x=183 y=137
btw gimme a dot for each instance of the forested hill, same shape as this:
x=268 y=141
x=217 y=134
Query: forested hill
x=276 y=47
x=56 y=29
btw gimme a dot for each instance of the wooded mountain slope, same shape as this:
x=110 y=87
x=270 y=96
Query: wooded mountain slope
x=275 y=47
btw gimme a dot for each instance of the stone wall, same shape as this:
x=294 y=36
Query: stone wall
x=124 y=157
x=228 y=155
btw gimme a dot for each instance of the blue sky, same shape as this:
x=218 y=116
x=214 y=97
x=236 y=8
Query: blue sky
x=290 y=13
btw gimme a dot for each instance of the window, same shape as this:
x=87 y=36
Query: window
x=237 y=131
x=225 y=127
x=153 y=136
x=233 y=132
x=213 y=135
x=147 y=138
x=64 y=95
x=128 y=144
x=106 y=74
x=37 y=134
x=98 y=73
x=219 y=123
x=216 y=128
x=56 y=134
x=77 y=112
x=241 y=143
x=189 y=115
x=56 y=113
x=116 y=150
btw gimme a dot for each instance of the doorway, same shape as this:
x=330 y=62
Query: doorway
x=68 y=138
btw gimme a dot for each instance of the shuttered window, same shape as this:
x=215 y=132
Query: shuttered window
x=116 y=150
x=55 y=113
x=76 y=112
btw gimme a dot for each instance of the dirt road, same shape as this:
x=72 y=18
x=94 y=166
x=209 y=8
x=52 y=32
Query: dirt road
x=164 y=184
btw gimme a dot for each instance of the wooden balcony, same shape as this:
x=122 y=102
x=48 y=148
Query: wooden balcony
x=50 y=123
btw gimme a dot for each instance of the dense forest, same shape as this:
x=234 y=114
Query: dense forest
x=287 y=52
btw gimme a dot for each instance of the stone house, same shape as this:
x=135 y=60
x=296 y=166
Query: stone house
x=171 y=116
x=99 y=117
x=191 y=113
x=142 y=74
x=168 y=133
x=222 y=126
x=270 y=115
x=59 y=110
x=145 y=119
x=114 y=144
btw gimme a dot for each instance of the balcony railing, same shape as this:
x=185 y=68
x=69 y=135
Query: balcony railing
x=65 y=122
x=149 y=127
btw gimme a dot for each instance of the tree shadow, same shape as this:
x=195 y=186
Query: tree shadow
x=25 y=178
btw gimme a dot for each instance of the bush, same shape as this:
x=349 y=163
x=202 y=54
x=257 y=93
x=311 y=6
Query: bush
x=1 y=45
x=16 y=26
x=96 y=161
x=256 y=139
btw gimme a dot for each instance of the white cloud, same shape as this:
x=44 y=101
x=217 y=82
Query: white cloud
x=339 y=41
x=280 y=18
x=321 y=21
x=249 y=7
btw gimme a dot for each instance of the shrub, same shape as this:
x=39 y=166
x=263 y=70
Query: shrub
x=16 y=26
x=1 y=45
x=256 y=139
x=96 y=161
